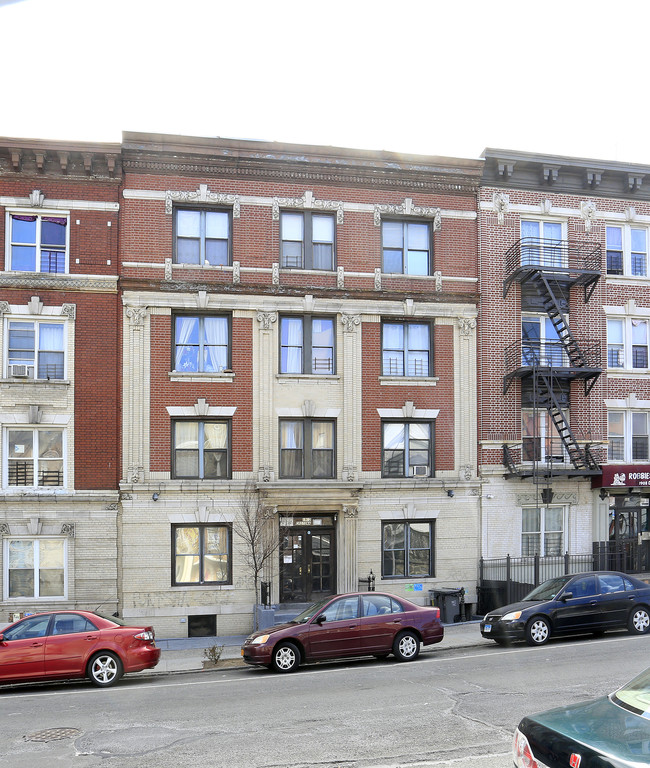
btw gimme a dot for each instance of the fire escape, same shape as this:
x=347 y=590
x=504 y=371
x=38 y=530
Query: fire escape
x=546 y=271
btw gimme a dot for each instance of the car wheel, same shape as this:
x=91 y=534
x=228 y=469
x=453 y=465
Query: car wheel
x=538 y=631
x=406 y=646
x=639 y=623
x=104 y=669
x=286 y=658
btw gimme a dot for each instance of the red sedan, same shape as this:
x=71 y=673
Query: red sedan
x=357 y=624
x=74 y=644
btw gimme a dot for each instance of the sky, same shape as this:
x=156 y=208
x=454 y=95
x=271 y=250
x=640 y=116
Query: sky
x=443 y=77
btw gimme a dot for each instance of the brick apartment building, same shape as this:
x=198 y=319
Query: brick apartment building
x=59 y=385
x=564 y=394
x=303 y=318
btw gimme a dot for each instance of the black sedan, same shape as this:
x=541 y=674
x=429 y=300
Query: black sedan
x=613 y=731
x=581 y=603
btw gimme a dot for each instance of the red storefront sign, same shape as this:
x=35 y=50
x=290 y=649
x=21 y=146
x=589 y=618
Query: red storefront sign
x=623 y=476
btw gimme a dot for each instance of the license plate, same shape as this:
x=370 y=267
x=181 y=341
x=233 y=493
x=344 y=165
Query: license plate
x=487 y=628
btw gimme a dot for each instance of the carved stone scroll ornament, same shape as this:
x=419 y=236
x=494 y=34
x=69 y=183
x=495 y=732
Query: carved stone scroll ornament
x=408 y=209
x=349 y=322
x=501 y=205
x=349 y=473
x=5 y=308
x=134 y=475
x=588 y=213
x=136 y=315
x=168 y=270
x=202 y=195
x=308 y=202
x=69 y=310
x=466 y=326
x=438 y=278
x=36 y=198
x=351 y=512
x=4 y=529
x=67 y=529
x=266 y=319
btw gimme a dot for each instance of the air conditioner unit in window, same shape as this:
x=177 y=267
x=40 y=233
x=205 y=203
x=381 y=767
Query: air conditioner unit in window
x=21 y=371
x=421 y=470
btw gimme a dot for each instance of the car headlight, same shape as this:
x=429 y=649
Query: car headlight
x=260 y=640
x=512 y=616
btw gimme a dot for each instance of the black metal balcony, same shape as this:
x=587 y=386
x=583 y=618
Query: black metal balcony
x=569 y=263
x=529 y=459
x=527 y=358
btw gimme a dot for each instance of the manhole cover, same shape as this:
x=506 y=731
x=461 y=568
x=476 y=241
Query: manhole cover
x=52 y=734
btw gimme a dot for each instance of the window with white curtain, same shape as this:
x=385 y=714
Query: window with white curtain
x=307 y=345
x=37 y=242
x=201 y=554
x=627 y=435
x=627 y=343
x=201 y=343
x=202 y=237
x=407 y=449
x=35 y=349
x=406 y=349
x=35 y=567
x=307 y=448
x=541 y=243
x=201 y=449
x=627 y=250
x=307 y=240
x=542 y=531
x=406 y=247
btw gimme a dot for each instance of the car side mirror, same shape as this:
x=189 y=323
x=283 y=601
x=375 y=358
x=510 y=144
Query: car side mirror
x=566 y=596
x=320 y=619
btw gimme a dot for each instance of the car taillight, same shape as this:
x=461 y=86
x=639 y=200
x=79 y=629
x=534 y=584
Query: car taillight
x=522 y=753
x=437 y=610
x=147 y=635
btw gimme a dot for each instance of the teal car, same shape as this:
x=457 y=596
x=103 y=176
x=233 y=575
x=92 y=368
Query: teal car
x=610 y=732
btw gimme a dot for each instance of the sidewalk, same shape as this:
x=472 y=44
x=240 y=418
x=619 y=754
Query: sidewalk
x=186 y=654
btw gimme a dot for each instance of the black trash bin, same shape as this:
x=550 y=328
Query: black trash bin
x=449 y=601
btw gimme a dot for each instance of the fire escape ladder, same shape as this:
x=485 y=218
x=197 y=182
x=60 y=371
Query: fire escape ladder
x=554 y=311
x=548 y=399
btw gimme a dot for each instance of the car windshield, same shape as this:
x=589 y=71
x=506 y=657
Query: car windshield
x=635 y=695
x=308 y=613
x=548 y=590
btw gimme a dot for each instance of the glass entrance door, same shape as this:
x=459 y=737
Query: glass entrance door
x=307 y=564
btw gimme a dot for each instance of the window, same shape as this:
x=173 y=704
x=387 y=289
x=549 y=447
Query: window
x=35 y=567
x=38 y=243
x=34 y=457
x=407 y=449
x=541 y=243
x=342 y=610
x=627 y=251
x=627 y=343
x=406 y=247
x=35 y=349
x=540 y=438
x=307 y=448
x=201 y=554
x=307 y=240
x=542 y=531
x=406 y=349
x=379 y=605
x=202 y=344
x=407 y=549
x=201 y=449
x=627 y=436
x=68 y=623
x=202 y=237
x=540 y=343
x=307 y=345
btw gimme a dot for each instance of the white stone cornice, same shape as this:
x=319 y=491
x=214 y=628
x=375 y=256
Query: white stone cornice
x=200 y=409
x=407 y=412
x=60 y=205
x=58 y=282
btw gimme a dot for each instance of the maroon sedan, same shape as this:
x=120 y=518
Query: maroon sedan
x=357 y=624
x=74 y=644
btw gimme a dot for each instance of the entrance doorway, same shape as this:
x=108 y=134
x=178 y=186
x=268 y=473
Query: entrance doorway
x=307 y=559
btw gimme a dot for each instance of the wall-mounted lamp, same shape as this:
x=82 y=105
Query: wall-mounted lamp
x=603 y=494
x=156 y=496
x=450 y=493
